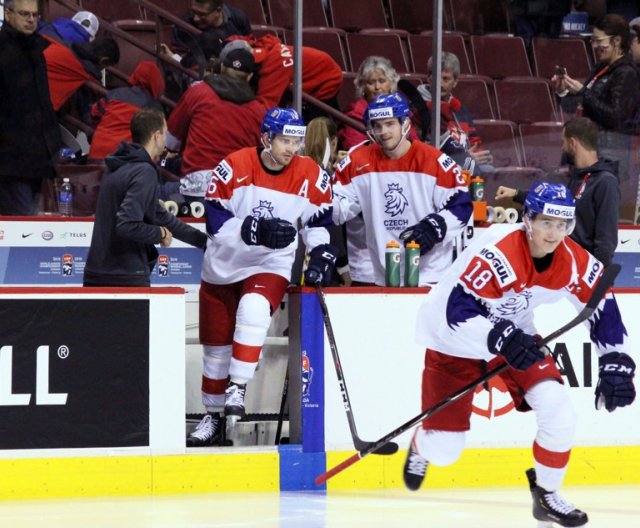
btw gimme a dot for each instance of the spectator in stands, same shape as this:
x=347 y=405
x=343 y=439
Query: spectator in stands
x=81 y=28
x=116 y=109
x=211 y=16
x=321 y=145
x=594 y=184
x=29 y=132
x=577 y=20
x=69 y=67
x=610 y=95
x=321 y=75
x=406 y=191
x=459 y=138
x=376 y=76
x=634 y=45
x=129 y=217
x=217 y=116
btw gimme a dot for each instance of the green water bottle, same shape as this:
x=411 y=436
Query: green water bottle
x=392 y=264
x=412 y=264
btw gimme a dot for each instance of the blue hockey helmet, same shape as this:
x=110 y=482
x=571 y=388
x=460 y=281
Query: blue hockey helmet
x=285 y=121
x=551 y=199
x=385 y=106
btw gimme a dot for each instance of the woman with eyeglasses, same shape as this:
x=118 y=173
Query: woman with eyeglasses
x=610 y=95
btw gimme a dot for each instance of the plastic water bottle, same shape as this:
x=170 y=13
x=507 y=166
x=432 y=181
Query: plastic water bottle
x=392 y=264
x=412 y=264
x=65 y=198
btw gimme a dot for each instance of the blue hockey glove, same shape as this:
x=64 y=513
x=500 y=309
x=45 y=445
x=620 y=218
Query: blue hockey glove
x=322 y=262
x=427 y=232
x=519 y=349
x=615 y=381
x=273 y=233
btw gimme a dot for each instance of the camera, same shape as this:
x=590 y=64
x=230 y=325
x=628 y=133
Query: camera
x=561 y=71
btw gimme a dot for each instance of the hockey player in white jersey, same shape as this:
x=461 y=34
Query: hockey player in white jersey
x=255 y=198
x=406 y=191
x=482 y=311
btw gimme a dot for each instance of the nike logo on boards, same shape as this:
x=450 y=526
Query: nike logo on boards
x=624 y=241
x=27 y=235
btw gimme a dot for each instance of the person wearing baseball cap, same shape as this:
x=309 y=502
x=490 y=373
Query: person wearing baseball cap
x=81 y=29
x=215 y=117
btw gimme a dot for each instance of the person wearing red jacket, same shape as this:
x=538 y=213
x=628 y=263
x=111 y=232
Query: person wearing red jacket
x=69 y=67
x=219 y=115
x=321 y=75
x=115 y=111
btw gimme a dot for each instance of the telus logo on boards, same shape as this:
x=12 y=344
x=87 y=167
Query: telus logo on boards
x=43 y=396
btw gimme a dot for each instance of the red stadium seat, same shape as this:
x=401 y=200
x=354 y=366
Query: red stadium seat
x=114 y=9
x=542 y=144
x=260 y=30
x=354 y=15
x=500 y=136
x=389 y=46
x=85 y=180
x=347 y=91
x=330 y=40
x=411 y=15
x=130 y=55
x=313 y=14
x=252 y=8
x=570 y=53
x=500 y=56
x=421 y=46
x=525 y=100
x=475 y=93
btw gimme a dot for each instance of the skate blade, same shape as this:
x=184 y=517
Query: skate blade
x=230 y=425
x=545 y=524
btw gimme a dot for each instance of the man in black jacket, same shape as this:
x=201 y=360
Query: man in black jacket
x=129 y=217
x=29 y=131
x=594 y=184
x=211 y=16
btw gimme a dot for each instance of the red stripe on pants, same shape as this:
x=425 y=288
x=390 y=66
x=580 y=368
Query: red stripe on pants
x=214 y=386
x=246 y=353
x=550 y=458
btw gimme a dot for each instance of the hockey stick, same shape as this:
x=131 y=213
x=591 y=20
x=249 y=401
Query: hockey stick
x=380 y=449
x=605 y=282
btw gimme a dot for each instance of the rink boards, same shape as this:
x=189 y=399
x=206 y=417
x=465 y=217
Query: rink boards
x=382 y=366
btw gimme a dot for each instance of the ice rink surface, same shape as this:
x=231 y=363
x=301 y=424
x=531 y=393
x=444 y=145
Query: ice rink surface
x=610 y=506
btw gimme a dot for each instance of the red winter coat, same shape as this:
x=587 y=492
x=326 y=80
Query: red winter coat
x=118 y=107
x=65 y=73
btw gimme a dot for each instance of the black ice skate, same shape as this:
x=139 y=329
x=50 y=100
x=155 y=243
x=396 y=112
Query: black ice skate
x=234 y=401
x=209 y=432
x=550 y=507
x=415 y=468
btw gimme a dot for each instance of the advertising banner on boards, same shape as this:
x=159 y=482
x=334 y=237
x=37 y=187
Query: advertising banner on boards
x=74 y=373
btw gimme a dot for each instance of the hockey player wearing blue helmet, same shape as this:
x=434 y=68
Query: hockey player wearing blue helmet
x=405 y=191
x=481 y=315
x=256 y=199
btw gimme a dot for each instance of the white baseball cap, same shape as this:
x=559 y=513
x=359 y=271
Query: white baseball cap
x=88 y=21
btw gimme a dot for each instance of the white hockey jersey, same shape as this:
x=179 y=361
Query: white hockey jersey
x=495 y=279
x=394 y=194
x=241 y=187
